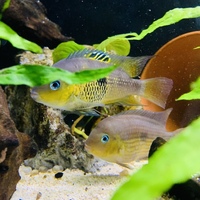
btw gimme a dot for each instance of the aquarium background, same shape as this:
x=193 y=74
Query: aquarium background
x=90 y=22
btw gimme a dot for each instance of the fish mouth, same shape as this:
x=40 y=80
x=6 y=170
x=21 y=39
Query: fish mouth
x=34 y=94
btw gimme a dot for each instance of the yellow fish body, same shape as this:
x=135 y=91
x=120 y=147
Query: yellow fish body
x=127 y=137
x=118 y=87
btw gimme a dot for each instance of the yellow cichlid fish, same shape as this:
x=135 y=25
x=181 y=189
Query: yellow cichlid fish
x=118 y=87
x=127 y=136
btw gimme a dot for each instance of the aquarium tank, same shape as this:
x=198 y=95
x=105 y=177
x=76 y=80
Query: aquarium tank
x=99 y=99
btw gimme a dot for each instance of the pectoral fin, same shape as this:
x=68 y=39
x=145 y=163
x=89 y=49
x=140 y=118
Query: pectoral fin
x=126 y=165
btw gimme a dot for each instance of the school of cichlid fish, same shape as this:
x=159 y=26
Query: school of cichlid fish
x=124 y=137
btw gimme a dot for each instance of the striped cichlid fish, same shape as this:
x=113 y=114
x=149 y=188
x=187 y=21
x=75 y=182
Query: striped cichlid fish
x=127 y=136
x=118 y=87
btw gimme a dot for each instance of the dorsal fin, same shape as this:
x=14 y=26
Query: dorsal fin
x=92 y=54
x=133 y=66
x=158 y=116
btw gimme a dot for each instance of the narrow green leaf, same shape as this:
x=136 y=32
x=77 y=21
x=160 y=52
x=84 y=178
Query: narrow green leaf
x=64 y=49
x=8 y=34
x=193 y=94
x=35 y=75
x=5 y=5
x=170 y=17
x=119 y=43
x=197 y=47
x=174 y=162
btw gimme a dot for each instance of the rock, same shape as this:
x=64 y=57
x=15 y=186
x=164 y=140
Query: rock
x=158 y=142
x=57 y=168
x=62 y=148
x=14 y=148
x=34 y=172
x=27 y=170
x=28 y=18
x=43 y=169
x=59 y=175
x=187 y=190
x=3 y=154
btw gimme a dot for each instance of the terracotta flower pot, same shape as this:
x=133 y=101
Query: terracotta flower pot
x=179 y=61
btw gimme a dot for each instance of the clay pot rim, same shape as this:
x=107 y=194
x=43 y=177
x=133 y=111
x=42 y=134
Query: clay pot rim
x=177 y=38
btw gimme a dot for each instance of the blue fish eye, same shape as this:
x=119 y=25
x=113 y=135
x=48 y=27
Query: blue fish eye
x=105 y=139
x=55 y=85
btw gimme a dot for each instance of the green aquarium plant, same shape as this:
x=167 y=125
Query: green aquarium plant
x=120 y=44
x=171 y=17
x=4 y=7
x=10 y=35
x=35 y=75
x=64 y=49
x=17 y=41
x=194 y=93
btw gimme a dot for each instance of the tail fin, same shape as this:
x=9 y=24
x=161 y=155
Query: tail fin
x=157 y=90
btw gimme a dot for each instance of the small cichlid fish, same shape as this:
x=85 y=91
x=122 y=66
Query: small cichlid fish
x=127 y=136
x=118 y=87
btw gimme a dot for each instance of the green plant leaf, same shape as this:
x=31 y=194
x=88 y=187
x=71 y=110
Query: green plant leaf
x=5 y=6
x=64 y=49
x=197 y=47
x=35 y=75
x=171 y=17
x=8 y=34
x=193 y=94
x=118 y=46
x=174 y=162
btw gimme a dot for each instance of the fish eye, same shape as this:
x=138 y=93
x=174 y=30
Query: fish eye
x=55 y=85
x=105 y=139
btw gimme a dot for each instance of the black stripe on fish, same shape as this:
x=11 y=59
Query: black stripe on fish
x=101 y=56
x=102 y=82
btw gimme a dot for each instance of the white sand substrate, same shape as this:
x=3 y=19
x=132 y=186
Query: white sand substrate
x=73 y=185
